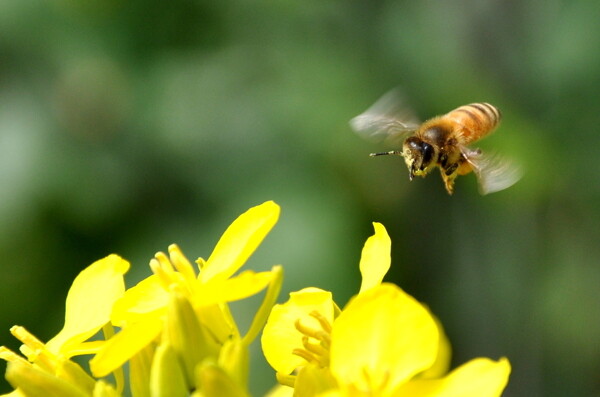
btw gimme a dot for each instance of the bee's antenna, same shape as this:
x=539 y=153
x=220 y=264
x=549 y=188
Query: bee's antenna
x=393 y=152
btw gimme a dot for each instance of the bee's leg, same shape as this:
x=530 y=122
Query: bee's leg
x=451 y=169
x=449 y=174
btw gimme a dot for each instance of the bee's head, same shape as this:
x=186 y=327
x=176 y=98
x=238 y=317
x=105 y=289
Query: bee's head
x=419 y=156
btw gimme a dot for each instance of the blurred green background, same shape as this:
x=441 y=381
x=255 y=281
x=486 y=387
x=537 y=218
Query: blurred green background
x=128 y=125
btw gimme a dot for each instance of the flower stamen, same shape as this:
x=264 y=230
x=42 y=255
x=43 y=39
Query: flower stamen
x=181 y=263
x=201 y=263
x=285 y=380
x=314 y=348
x=32 y=348
x=9 y=355
x=164 y=262
x=305 y=355
x=174 y=270
x=318 y=352
x=162 y=275
x=325 y=325
x=26 y=338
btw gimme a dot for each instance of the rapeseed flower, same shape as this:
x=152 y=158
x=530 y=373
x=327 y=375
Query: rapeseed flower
x=46 y=369
x=383 y=343
x=177 y=320
x=175 y=331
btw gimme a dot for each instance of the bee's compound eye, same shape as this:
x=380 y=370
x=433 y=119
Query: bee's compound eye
x=427 y=151
x=414 y=144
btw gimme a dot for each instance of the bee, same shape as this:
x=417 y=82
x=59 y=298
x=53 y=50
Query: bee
x=439 y=142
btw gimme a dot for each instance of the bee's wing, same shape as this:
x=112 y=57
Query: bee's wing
x=494 y=173
x=388 y=120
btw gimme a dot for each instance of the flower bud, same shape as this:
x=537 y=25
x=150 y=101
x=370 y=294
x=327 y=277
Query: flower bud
x=187 y=336
x=167 y=377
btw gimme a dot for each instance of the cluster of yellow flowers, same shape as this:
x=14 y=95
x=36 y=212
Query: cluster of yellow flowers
x=179 y=338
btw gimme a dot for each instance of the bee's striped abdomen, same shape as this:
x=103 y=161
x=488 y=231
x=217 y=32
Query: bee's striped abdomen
x=476 y=120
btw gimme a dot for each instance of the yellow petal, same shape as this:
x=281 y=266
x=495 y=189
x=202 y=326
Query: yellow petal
x=234 y=359
x=103 y=389
x=313 y=380
x=239 y=241
x=73 y=373
x=270 y=297
x=337 y=393
x=86 y=348
x=139 y=372
x=124 y=345
x=442 y=361
x=381 y=339
x=219 y=321
x=18 y=393
x=280 y=391
x=146 y=297
x=375 y=259
x=280 y=336
x=246 y=284
x=90 y=302
x=480 y=377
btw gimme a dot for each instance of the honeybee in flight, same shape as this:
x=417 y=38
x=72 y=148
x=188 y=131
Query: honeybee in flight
x=439 y=142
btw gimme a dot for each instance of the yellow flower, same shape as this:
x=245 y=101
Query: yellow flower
x=48 y=369
x=384 y=338
x=89 y=305
x=381 y=339
x=281 y=338
x=282 y=341
x=189 y=308
x=180 y=338
x=384 y=342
